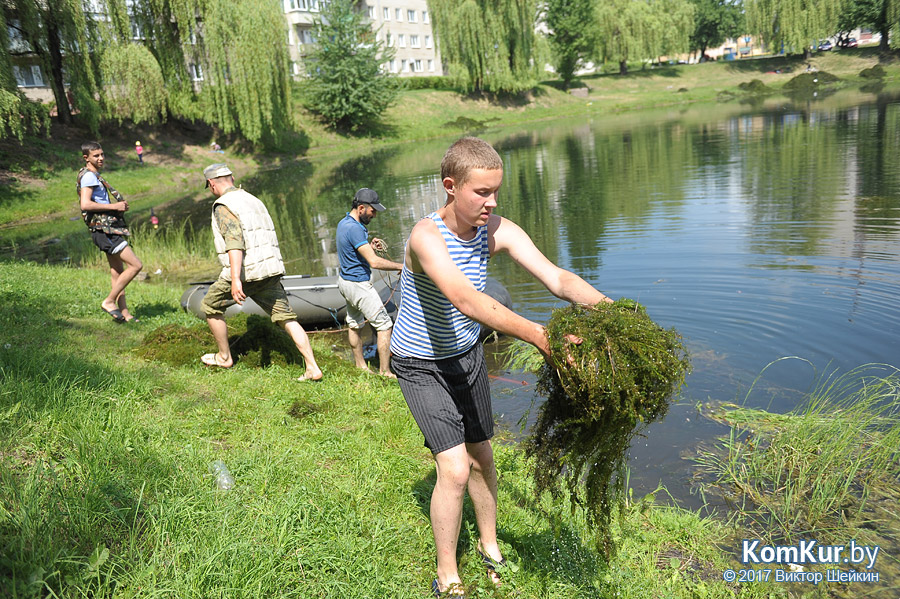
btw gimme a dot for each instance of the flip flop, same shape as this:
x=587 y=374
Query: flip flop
x=212 y=360
x=492 y=565
x=133 y=319
x=115 y=313
x=448 y=592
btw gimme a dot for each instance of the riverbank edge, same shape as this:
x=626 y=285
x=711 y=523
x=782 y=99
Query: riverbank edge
x=105 y=461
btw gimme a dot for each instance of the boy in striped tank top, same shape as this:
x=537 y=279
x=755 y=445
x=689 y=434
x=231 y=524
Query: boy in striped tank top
x=435 y=349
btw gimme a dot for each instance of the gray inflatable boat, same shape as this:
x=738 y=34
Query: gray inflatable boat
x=318 y=302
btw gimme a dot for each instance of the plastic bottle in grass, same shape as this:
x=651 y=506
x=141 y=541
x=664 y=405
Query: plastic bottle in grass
x=224 y=479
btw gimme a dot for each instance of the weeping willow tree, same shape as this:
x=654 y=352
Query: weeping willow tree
x=132 y=60
x=793 y=25
x=18 y=116
x=488 y=45
x=630 y=30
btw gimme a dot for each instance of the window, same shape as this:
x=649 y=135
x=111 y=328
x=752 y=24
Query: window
x=414 y=41
x=196 y=72
x=418 y=64
x=306 y=36
x=431 y=65
x=290 y=36
x=295 y=68
x=404 y=65
x=386 y=14
x=29 y=76
x=393 y=66
x=314 y=5
x=388 y=40
x=398 y=14
x=425 y=16
x=411 y=16
x=428 y=41
x=371 y=10
x=295 y=5
x=401 y=40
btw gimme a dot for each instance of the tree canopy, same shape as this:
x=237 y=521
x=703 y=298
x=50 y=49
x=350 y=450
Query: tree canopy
x=794 y=25
x=571 y=25
x=132 y=61
x=630 y=30
x=879 y=15
x=347 y=85
x=488 y=45
x=714 y=22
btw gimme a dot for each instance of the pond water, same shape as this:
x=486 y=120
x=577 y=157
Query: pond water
x=758 y=232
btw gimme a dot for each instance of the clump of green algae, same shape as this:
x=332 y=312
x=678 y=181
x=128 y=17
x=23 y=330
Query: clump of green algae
x=600 y=394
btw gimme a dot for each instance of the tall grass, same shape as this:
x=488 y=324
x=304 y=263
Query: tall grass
x=174 y=248
x=814 y=470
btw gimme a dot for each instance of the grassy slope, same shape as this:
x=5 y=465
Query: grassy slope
x=104 y=488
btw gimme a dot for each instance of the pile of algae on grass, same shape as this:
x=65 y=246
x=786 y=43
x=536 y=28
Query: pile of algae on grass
x=600 y=394
x=255 y=342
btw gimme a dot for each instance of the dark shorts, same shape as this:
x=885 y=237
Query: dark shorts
x=109 y=244
x=268 y=293
x=450 y=399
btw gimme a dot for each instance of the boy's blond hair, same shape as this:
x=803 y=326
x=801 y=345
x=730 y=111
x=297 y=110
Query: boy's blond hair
x=466 y=154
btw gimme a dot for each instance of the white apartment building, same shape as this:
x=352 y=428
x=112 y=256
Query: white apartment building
x=404 y=25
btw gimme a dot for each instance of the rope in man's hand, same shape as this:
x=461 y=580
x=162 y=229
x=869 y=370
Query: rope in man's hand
x=379 y=245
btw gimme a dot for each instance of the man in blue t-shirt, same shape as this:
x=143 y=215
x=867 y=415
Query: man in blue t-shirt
x=357 y=258
x=103 y=210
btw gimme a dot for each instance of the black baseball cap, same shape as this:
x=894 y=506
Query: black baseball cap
x=370 y=197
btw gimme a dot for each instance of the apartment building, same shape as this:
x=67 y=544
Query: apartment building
x=404 y=25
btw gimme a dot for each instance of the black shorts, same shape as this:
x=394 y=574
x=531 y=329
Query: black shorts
x=450 y=399
x=109 y=244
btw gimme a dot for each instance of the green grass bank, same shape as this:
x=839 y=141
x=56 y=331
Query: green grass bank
x=105 y=489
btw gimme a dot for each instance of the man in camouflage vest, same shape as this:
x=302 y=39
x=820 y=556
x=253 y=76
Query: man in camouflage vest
x=103 y=210
x=247 y=246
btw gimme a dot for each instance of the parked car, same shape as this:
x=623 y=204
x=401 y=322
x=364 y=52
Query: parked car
x=849 y=42
x=825 y=46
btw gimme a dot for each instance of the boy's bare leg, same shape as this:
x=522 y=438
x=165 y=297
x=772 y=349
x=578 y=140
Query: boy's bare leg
x=483 y=491
x=446 y=510
x=220 y=333
x=123 y=267
x=301 y=340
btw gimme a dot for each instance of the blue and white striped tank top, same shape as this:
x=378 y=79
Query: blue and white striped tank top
x=428 y=326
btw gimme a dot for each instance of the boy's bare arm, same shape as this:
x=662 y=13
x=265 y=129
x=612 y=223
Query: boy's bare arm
x=89 y=205
x=508 y=237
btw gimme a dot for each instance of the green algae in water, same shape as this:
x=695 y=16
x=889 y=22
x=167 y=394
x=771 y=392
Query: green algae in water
x=600 y=394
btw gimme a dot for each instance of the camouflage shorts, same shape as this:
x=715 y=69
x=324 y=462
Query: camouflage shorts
x=268 y=293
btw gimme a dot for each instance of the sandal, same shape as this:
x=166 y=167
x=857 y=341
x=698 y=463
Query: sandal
x=213 y=360
x=454 y=590
x=492 y=565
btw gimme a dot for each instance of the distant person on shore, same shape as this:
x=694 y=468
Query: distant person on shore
x=245 y=240
x=435 y=351
x=139 y=149
x=357 y=258
x=103 y=210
